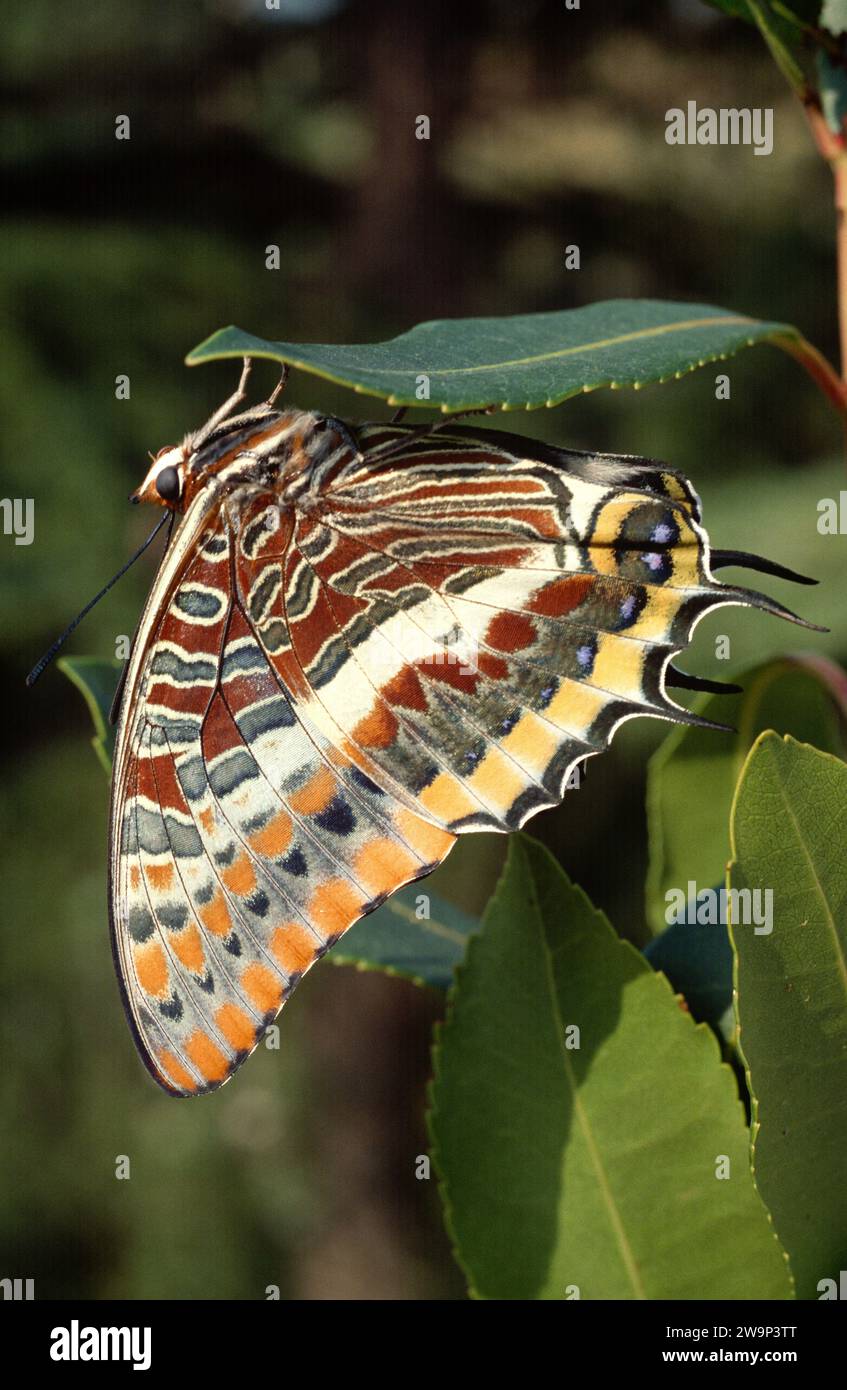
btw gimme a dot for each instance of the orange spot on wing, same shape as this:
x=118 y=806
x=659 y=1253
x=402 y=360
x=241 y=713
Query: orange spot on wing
x=160 y=875
x=207 y=819
x=335 y=905
x=263 y=987
x=384 y=864
x=188 y=948
x=175 y=1072
x=405 y=689
x=215 y=915
x=293 y=947
x=237 y=1026
x=447 y=798
x=152 y=969
x=135 y=877
x=510 y=632
x=429 y=840
x=562 y=596
x=315 y=795
x=275 y=837
x=493 y=666
x=378 y=729
x=450 y=672
x=207 y=1057
x=240 y=877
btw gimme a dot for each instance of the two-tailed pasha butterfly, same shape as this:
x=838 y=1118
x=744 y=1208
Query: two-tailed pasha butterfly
x=363 y=641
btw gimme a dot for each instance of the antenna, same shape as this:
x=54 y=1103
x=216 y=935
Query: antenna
x=41 y=666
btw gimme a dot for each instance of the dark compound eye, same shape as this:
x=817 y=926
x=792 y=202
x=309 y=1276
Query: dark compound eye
x=168 y=484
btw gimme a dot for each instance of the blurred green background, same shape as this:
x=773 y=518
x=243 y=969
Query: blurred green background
x=249 y=127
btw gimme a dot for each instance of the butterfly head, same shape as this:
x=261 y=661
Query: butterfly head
x=166 y=478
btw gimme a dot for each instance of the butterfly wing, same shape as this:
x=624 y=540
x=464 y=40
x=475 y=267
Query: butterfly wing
x=422 y=641
x=243 y=841
x=474 y=621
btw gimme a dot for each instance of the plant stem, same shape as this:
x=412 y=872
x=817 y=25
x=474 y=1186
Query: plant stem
x=831 y=148
x=831 y=145
x=820 y=370
x=839 y=173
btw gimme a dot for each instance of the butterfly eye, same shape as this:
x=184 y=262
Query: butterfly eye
x=168 y=484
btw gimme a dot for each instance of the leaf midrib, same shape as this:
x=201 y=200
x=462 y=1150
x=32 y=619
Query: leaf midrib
x=829 y=919
x=615 y=1219
x=429 y=924
x=657 y=330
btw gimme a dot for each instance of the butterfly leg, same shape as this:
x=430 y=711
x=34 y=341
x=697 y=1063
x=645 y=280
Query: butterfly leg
x=280 y=386
x=229 y=405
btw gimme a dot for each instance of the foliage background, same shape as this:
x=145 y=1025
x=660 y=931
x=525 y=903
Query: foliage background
x=251 y=127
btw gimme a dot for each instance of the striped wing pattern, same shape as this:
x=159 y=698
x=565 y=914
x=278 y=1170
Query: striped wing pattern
x=337 y=674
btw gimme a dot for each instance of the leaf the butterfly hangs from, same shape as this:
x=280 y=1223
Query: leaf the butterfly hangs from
x=362 y=642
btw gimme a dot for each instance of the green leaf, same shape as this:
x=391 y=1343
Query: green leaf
x=789 y=823
x=592 y=1167
x=97 y=680
x=526 y=360
x=691 y=778
x=788 y=19
x=783 y=40
x=782 y=26
x=396 y=940
x=736 y=9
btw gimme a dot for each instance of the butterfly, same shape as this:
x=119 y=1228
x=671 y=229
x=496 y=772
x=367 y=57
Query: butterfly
x=362 y=642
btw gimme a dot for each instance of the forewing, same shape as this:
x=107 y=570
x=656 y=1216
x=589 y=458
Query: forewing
x=243 y=842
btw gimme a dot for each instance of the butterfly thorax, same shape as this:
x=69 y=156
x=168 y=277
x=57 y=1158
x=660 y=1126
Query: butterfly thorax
x=289 y=452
